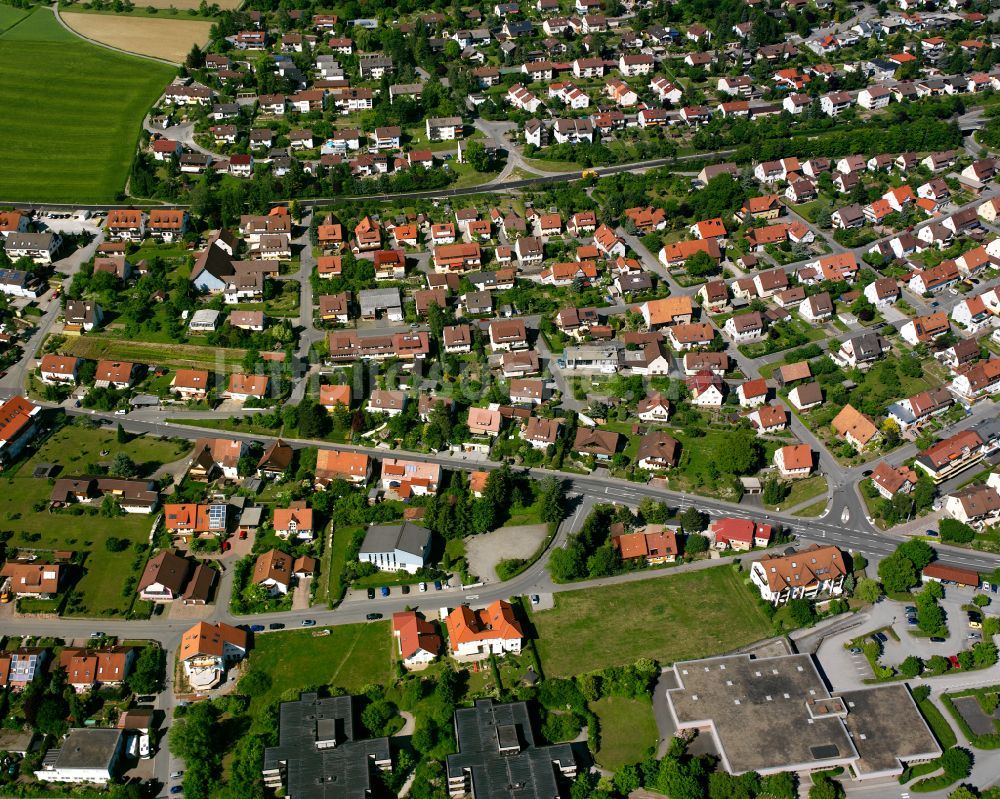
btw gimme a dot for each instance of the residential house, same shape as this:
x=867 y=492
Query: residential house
x=854 y=427
x=806 y=574
x=476 y=634
x=794 y=461
x=402 y=546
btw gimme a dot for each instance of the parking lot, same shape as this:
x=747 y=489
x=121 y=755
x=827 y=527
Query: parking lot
x=847 y=670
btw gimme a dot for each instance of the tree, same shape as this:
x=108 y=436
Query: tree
x=868 y=590
x=918 y=552
x=961 y=792
x=742 y=453
x=774 y=491
x=567 y=563
x=695 y=544
x=897 y=573
x=783 y=785
x=954 y=531
x=122 y=435
x=700 y=264
x=377 y=715
x=313 y=419
x=825 y=788
x=552 y=499
x=984 y=654
x=930 y=616
x=653 y=512
x=123 y=466
x=911 y=667
x=693 y=520
x=478 y=156
x=956 y=762
x=146 y=673
x=800 y=612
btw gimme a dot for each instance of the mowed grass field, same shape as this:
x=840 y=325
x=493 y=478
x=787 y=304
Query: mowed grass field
x=628 y=730
x=183 y=356
x=159 y=38
x=671 y=618
x=71 y=112
x=352 y=656
x=73 y=448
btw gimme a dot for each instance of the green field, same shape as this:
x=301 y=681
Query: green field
x=351 y=657
x=178 y=356
x=74 y=448
x=689 y=615
x=628 y=730
x=72 y=112
x=800 y=491
x=10 y=16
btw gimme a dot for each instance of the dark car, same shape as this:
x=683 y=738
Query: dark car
x=385 y=590
x=405 y=589
x=912 y=621
x=256 y=628
x=437 y=585
x=855 y=650
x=373 y=616
x=931 y=533
x=910 y=609
x=276 y=625
x=937 y=639
x=881 y=637
x=371 y=593
x=177 y=789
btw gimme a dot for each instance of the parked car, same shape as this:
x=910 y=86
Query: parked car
x=309 y=622
x=437 y=585
x=931 y=533
x=912 y=621
x=910 y=610
x=385 y=590
x=423 y=587
x=974 y=636
x=405 y=589
x=276 y=625
x=937 y=639
x=881 y=637
x=97 y=635
x=371 y=593
x=535 y=599
x=856 y=650
x=176 y=775
x=256 y=628
x=176 y=790
x=953 y=660
x=243 y=535
x=373 y=616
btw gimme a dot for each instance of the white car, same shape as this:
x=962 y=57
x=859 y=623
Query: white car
x=423 y=587
x=144 y=747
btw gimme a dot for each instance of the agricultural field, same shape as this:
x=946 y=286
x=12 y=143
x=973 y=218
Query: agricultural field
x=352 y=656
x=24 y=509
x=678 y=617
x=183 y=356
x=169 y=39
x=72 y=112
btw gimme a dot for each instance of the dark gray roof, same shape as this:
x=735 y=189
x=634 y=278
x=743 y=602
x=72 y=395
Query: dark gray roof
x=319 y=750
x=404 y=536
x=867 y=346
x=521 y=770
x=86 y=748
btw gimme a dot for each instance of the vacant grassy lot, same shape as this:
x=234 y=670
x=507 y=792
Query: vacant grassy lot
x=166 y=38
x=801 y=490
x=628 y=730
x=350 y=657
x=74 y=448
x=72 y=112
x=216 y=359
x=10 y=16
x=682 y=616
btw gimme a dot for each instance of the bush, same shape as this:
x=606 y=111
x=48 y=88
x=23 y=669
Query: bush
x=954 y=531
x=113 y=544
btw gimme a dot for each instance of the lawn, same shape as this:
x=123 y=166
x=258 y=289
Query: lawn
x=177 y=356
x=628 y=730
x=74 y=448
x=812 y=511
x=351 y=657
x=698 y=472
x=801 y=491
x=683 y=616
x=10 y=16
x=72 y=115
